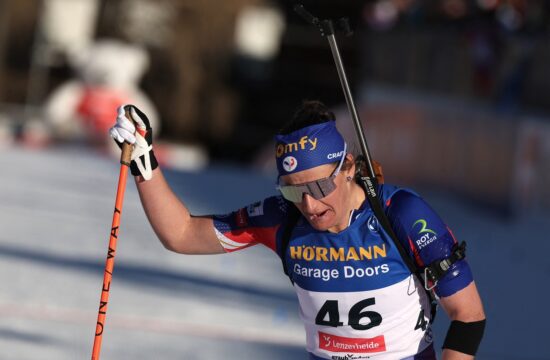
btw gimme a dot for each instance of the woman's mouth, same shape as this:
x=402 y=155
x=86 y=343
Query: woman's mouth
x=318 y=217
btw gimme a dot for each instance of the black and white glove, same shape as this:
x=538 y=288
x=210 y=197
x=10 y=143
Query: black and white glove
x=139 y=133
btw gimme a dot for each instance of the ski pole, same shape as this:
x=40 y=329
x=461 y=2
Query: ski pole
x=125 y=159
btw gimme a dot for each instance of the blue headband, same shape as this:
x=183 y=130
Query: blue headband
x=309 y=147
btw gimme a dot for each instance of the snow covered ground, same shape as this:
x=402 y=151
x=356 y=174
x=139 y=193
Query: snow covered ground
x=55 y=214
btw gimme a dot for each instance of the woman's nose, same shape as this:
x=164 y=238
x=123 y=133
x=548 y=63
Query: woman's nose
x=308 y=203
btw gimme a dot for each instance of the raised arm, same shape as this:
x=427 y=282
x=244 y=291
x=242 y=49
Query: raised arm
x=175 y=227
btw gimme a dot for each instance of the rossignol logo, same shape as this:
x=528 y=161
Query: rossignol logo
x=305 y=143
x=427 y=236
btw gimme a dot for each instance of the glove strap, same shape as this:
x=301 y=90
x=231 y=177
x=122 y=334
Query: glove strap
x=145 y=162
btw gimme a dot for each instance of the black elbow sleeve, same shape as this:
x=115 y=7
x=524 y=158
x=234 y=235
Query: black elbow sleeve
x=464 y=337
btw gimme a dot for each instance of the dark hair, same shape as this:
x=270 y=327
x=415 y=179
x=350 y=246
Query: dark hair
x=311 y=112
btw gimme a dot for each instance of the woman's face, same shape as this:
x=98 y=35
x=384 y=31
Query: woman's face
x=331 y=212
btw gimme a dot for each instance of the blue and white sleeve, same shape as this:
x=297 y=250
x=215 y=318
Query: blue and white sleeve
x=427 y=238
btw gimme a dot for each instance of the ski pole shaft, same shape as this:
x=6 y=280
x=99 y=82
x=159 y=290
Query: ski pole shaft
x=327 y=28
x=351 y=104
x=110 y=262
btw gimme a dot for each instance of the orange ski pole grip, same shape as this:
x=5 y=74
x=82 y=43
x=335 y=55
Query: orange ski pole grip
x=125 y=159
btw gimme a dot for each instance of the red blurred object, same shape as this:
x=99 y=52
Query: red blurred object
x=97 y=106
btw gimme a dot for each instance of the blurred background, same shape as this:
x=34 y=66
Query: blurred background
x=452 y=94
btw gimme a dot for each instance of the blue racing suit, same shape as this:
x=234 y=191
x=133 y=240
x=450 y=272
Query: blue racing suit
x=357 y=297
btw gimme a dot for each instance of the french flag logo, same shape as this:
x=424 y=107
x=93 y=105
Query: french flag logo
x=290 y=163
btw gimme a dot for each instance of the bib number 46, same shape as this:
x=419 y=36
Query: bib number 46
x=358 y=317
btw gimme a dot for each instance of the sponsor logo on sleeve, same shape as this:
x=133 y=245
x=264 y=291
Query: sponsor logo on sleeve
x=256 y=209
x=425 y=236
x=282 y=204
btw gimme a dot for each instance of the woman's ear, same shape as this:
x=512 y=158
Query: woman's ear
x=349 y=165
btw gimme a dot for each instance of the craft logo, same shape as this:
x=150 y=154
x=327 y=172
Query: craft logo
x=427 y=236
x=290 y=163
x=336 y=155
x=304 y=143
